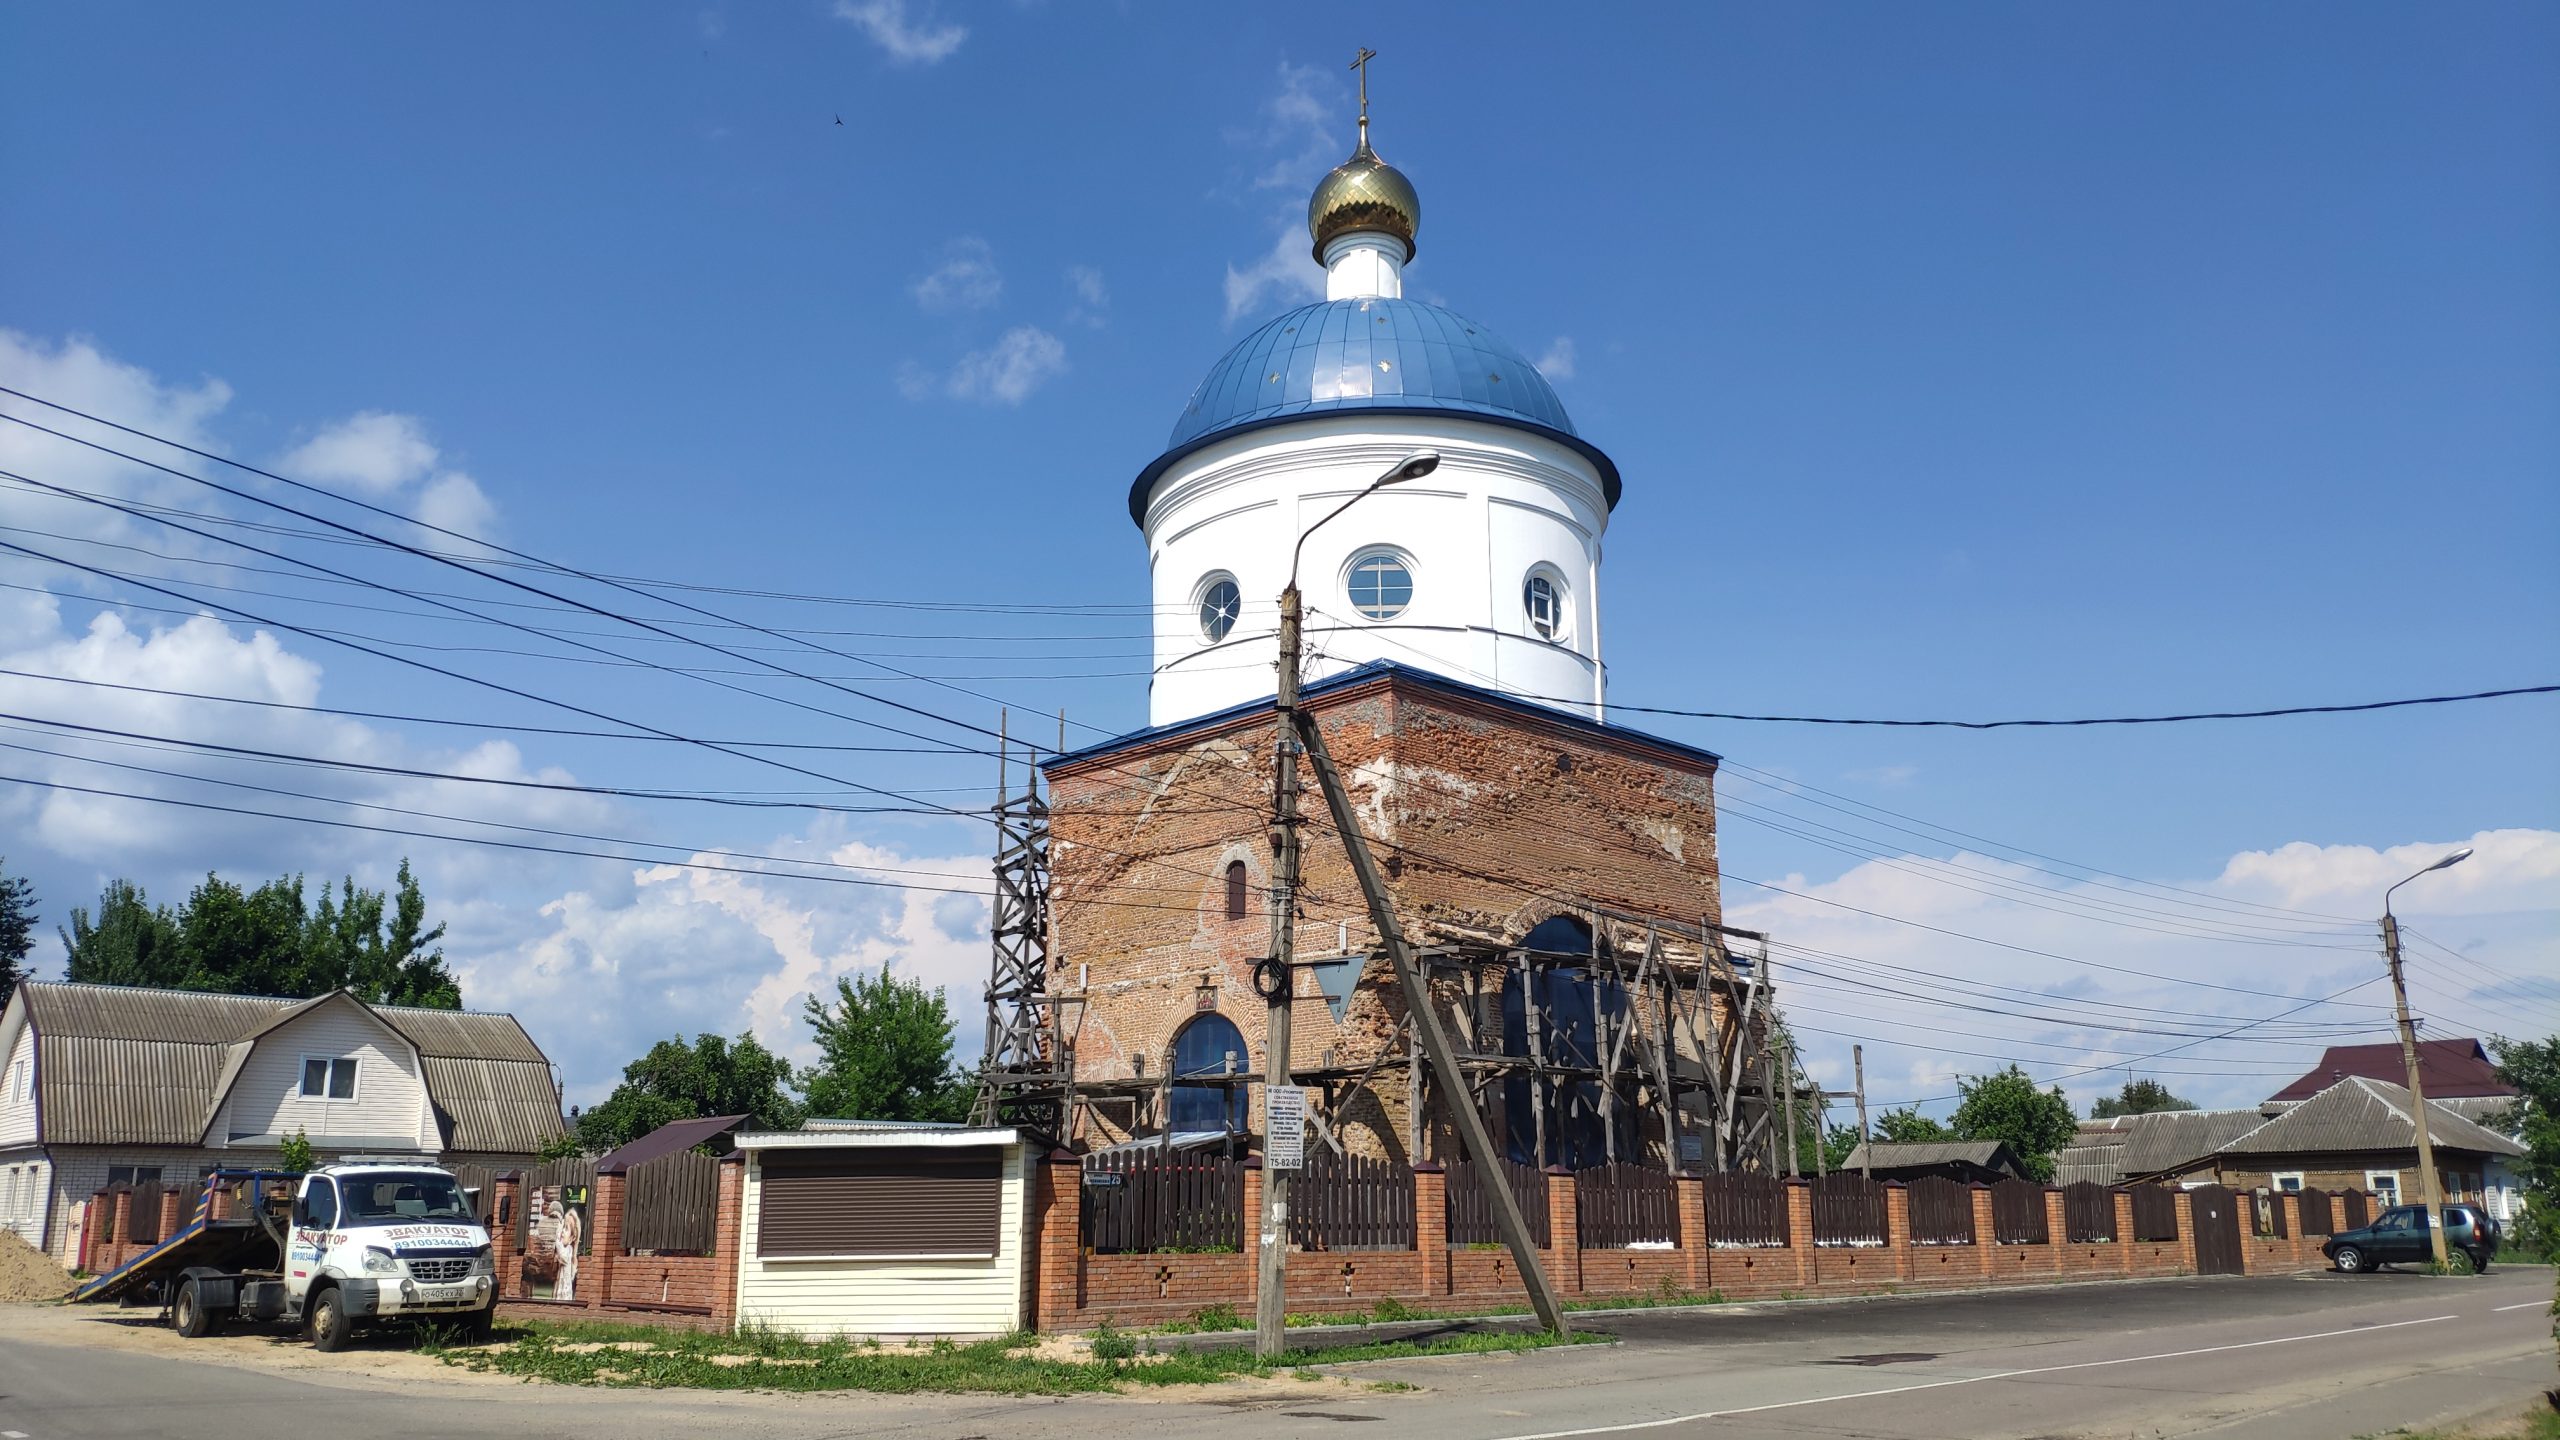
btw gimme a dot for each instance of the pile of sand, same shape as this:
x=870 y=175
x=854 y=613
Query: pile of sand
x=27 y=1273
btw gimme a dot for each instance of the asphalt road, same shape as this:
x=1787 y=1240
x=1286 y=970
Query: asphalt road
x=2287 y=1358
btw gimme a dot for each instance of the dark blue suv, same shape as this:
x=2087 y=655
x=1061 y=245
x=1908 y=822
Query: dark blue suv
x=2399 y=1237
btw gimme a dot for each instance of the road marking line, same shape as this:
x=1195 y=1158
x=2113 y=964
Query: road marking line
x=2527 y=1305
x=1968 y=1380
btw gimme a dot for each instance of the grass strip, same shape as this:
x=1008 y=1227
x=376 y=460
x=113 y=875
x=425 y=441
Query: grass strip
x=594 y=1353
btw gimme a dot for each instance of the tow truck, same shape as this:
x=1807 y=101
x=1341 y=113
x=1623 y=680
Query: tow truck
x=355 y=1242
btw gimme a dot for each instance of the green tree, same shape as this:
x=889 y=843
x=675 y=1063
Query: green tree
x=677 y=1081
x=1908 y=1126
x=2138 y=1097
x=295 y=1157
x=2533 y=1067
x=268 y=941
x=131 y=942
x=2007 y=1106
x=17 y=929
x=884 y=1053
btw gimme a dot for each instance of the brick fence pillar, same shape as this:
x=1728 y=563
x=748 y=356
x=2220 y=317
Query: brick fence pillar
x=1897 y=1226
x=727 y=1251
x=2057 y=1225
x=121 y=1229
x=506 y=1198
x=1986 y=1230
x=605 y=1231
x=1057 y=1240
x=2292 y=1212
x=169 y=1202
x=1253 y=1238
x=2337 y=1211
x=1800 y=1230
x=2124 y=1228
x=1431 y=1225
x=2186 y=1206
x=1564 y=1229
x=1689 y=1202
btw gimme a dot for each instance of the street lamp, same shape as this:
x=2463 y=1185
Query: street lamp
x=1272 y=1230
x=2429 y=1190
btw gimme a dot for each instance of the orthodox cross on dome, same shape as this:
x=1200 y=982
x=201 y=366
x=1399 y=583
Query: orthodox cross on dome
x=1360 y=62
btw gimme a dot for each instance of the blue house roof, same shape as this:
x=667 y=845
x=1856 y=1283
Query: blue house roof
x=1381 y=356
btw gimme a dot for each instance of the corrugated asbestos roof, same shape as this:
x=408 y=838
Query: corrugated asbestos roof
x=121 y=1065
x=2362 y=1114
x=2128 y=1147
x=1894 y=1155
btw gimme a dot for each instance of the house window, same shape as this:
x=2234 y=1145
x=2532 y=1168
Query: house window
x=1239 y=890
x=133 y=1174
x=2289 y=1182
x=2385 y=1183
x=1381 y=584
x=329 y=1077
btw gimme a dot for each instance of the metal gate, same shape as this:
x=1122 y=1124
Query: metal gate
x=2217 y=1222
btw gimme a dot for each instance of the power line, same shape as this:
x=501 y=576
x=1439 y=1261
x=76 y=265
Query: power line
x=2269 y=714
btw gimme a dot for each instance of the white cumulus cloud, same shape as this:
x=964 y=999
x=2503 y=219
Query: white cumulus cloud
x=1557 y=363
x=1285 y=273
x=1022 y=360
x=966 y=279
x=909 y=39
x=371 y=451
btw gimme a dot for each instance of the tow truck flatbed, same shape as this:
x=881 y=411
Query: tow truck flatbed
x=235 y=1242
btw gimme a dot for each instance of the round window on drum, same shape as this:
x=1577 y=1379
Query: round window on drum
x=1542 y=597
x=1381 y=584
x=1220 y=603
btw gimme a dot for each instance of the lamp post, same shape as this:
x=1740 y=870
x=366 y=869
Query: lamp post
x=1270 y=1312
x=2430 y=1192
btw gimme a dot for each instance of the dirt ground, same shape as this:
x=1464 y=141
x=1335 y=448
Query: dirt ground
x=27 y=1273
x=385 y=1360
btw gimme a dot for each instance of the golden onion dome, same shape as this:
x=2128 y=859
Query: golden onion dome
x=1364 y=193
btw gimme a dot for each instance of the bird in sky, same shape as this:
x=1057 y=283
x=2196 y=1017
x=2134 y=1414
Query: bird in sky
x=839 y=119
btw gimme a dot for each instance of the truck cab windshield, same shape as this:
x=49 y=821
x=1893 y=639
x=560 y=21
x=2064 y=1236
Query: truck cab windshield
x=389 y=1197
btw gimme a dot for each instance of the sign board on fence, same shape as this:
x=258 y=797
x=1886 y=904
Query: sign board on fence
x=1284 y=1112
x=1102 y=1179
x=1693 y=1149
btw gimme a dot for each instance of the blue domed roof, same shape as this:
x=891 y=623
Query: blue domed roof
x=1382 y=356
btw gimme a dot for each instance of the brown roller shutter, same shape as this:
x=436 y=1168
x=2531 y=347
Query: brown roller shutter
x=908 y=1201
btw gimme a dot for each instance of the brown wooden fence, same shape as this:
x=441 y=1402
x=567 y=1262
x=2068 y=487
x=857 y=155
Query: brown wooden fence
x=1623 y=1205
x=1848 y=1210
x=146 y=1212
x=2018 y=1213
x=1941 y=1212
x=2155 y=1212
x=2315 y=1212
x=1345 y=1202
x=671 y=1205
x=2359 y=1209
x=1747 y=1211
x=1471 y=1219
x=479 y=1185
x=1141 y=1201
x=2088 y=1212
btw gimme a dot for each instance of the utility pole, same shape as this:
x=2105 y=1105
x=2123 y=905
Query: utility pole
x=2430 y=1190
x=1271 y=1268
x=1795 y=1162
x=1858 y=1058
x=1279 y=983
x=1821 y=1133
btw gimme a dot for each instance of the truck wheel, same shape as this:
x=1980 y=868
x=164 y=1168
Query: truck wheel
x=187 y=1314
x=330 y=1327
x=2350 y=1260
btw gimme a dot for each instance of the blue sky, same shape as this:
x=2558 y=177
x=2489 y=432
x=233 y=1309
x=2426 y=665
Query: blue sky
x=1974 y=361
